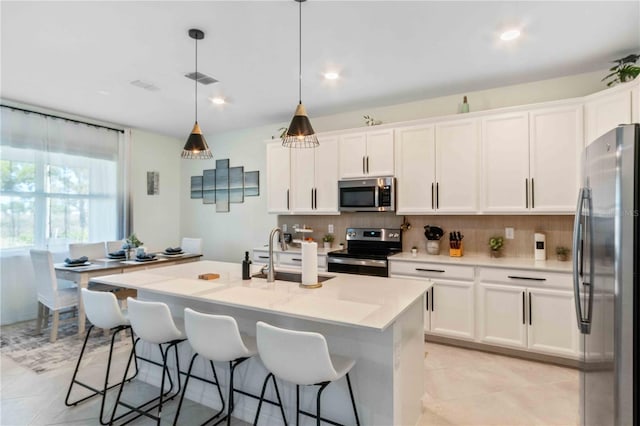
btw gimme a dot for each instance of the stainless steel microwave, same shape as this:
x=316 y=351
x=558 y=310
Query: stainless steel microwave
x=367 y=195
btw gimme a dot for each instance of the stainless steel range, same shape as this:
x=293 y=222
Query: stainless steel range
x=367 y=251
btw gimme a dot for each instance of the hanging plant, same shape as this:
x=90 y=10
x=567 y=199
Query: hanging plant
x=624 y=70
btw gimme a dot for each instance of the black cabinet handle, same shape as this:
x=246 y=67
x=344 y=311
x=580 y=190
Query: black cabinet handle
x=437 y=195
x=363 y=169
x=295 y=259
x=533 y=195
x=312 y=199
x=287 y=199
x=263 y=257
x=523 y=315
x=367 y=164
x=516 y=277
x=526 y=193
x=530 y=303
x=315 y=198
x=427 y=304
x=430 y=270
x=433 y=198
x=433 y=300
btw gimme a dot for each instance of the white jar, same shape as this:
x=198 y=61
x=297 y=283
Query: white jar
x=433 y=247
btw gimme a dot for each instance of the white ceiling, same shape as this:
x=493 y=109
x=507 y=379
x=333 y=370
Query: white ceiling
x=60 y=55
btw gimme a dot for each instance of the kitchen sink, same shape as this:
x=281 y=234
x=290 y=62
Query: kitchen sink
x=291 y=276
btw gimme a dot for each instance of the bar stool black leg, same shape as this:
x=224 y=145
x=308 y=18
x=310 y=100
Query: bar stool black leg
x=297 y=405
x=353 y=402
x=322 y=387
x=184 y=391
x=75 y=372
x=264 y=388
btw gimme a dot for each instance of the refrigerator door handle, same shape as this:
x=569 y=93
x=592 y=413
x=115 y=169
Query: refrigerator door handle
x=583 y=324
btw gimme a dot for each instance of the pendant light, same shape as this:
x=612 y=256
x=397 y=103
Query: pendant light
x=300 y=134
x=196 y=146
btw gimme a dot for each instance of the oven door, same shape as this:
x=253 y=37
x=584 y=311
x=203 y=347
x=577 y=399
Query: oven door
x=349 y=265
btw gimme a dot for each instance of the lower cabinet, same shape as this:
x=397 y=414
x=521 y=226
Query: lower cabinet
x=287 y=259
x=450 y=302
x=450 y=309
x=537 y=319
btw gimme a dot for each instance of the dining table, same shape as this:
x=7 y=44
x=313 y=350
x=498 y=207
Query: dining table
x=83 y=273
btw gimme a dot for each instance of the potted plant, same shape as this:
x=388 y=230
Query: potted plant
x=495 y=244
x=562 y=253
x=414 y=250
x=624 y=70
x=327 y=239
x=370 y=121
x=130 y=243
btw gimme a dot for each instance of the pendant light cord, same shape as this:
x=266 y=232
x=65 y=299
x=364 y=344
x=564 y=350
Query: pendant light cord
x=195 y=80
x=300 y=54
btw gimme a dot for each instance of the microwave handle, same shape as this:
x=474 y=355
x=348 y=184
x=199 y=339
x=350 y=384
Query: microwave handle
x=376 y=201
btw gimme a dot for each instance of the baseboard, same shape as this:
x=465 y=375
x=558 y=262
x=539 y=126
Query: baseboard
x=550 y=359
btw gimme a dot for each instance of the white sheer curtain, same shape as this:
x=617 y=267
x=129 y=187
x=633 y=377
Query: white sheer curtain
x=62 y=182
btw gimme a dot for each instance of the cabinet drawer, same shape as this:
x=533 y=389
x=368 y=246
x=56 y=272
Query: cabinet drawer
x=526 y=277
x=263 y=256
x=431 y=270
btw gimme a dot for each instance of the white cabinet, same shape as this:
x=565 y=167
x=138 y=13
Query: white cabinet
x=437 y=168
x=555 y=148
x=531 y=160
x=519 y=315
x=450 y=302
x=315 y=178
x=278 y=178
x=286 y=259
x=505 y=163
x=606 y=110
x=366 y=154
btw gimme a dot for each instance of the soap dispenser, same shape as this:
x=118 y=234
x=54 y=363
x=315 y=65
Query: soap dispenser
x=246 y=267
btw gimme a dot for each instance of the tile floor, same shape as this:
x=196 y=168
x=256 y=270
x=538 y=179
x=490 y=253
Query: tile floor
x=463 y=387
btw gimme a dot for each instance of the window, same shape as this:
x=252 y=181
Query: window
x=60 y=182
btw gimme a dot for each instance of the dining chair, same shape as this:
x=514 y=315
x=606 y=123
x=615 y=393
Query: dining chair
x=113 y=246
x=50 y=297
x=191 y=245
x=91 y=250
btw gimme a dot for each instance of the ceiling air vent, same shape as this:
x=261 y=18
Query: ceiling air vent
x=145 y=85
x=201 y=78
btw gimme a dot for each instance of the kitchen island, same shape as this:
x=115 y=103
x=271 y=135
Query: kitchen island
x=376 y=321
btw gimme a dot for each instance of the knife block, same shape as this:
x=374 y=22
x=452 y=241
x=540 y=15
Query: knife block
x=457 y=252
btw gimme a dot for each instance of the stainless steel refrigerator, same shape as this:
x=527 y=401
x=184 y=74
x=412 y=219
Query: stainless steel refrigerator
x=606 y=265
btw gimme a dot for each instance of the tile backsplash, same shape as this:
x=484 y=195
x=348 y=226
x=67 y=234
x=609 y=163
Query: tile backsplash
x=476 y=230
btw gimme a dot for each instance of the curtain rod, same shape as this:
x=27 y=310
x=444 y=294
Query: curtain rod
x=61 y=118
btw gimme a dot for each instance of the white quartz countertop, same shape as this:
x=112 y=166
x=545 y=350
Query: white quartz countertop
x=349 y=300
x=484 y=260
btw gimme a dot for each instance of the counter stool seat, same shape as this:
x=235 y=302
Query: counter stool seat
x=152 y=323
x=103 y=312
x=217 y=339
x=301 y=358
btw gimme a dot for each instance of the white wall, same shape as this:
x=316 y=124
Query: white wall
x=227 y=235
x=156 y=218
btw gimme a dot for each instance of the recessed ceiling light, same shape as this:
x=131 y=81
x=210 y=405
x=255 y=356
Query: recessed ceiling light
x=510 y=35
x=218 y=100
x=331 y=75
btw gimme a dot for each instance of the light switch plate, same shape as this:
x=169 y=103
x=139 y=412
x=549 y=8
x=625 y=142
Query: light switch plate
x=508 y=233
x=330 y=228
x=284 y=227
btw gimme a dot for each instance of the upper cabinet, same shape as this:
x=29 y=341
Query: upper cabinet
x=437 y=168
x=315 y=178
x=366 y=154
x=531 y=160
x=606 y=110
x=505 y=162
x=278 y=178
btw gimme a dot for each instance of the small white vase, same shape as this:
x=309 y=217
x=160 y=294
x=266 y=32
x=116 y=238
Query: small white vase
x=414 y=252
x=433 y=247
x=327 y=245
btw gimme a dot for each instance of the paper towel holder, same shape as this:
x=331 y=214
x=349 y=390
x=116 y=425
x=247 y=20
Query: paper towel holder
x=316 y=285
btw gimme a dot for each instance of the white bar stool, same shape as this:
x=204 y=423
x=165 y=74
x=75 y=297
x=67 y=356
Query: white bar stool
x=152 y=322
x=301 y=358
x=103 y=311
x=216 y=338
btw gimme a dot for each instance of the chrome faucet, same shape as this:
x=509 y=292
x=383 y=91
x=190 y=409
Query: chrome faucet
x=269 y=268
